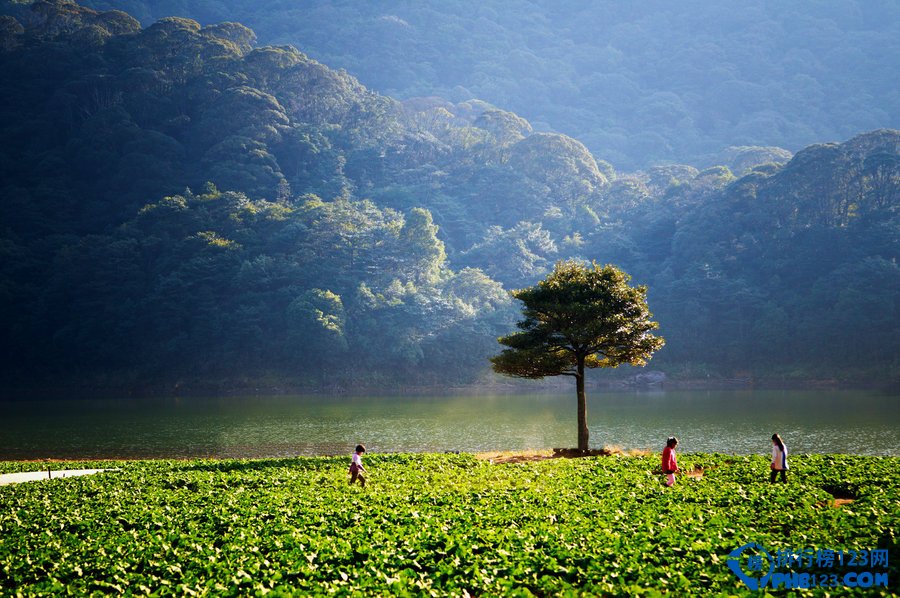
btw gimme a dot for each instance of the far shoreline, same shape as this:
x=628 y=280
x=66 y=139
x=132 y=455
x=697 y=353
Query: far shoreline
x=206 y=389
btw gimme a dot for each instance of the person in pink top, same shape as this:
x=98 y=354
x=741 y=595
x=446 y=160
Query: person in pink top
x=356 y=466
x=669 y=464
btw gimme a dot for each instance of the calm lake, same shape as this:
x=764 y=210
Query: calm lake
x=738 y=422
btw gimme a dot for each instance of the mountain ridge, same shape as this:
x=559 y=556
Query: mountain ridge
x=180 y=203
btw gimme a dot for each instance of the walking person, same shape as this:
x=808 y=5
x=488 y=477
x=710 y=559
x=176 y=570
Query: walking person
x=356 y=466
x=779 y=459
x=669 y=463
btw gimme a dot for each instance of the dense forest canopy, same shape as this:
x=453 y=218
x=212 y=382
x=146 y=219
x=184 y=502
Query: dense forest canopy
x=639 y=83
x=183 y=204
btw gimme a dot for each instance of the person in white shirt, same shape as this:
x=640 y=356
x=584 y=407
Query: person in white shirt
x=779 y=459
x=356 y=466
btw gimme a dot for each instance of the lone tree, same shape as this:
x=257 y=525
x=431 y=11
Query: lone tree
x=579 y=317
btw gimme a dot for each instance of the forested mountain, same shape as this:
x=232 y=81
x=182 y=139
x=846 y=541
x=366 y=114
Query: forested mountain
x=182 y=205
x=639 y=83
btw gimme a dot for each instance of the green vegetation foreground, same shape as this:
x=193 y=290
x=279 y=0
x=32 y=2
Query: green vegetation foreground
x=438 y=524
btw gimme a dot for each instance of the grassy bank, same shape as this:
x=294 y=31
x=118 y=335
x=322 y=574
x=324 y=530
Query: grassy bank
x=439 y=524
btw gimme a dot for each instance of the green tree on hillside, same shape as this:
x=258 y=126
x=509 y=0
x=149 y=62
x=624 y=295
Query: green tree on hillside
x=423 y=253
x=579 y=317
x=316 y=330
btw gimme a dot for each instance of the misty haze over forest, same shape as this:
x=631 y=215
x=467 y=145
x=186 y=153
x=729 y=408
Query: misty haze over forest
x=195 y=193
x=639 y=84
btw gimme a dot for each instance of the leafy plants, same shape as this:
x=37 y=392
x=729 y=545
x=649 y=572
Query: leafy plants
x=429 y=524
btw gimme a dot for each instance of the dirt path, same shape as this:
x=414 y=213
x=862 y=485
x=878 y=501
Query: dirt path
x=33 y=476
x=500 y=457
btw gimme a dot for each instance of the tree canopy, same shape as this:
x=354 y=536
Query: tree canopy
x=579 y=317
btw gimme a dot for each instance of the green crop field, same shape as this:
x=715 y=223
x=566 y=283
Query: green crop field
x=443 y=525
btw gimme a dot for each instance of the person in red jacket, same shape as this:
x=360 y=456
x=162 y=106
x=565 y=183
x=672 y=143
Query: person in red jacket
x=669 y=464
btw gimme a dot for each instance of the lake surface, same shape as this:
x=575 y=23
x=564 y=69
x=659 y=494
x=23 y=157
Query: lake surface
x=740 y=422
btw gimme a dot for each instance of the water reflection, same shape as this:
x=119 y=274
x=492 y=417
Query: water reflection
x=732 y=422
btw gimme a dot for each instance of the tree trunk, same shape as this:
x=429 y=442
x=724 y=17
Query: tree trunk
x=582 y=407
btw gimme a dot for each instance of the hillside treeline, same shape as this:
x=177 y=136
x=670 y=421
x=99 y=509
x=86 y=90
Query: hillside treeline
x=638 y=83
x=180 y=204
